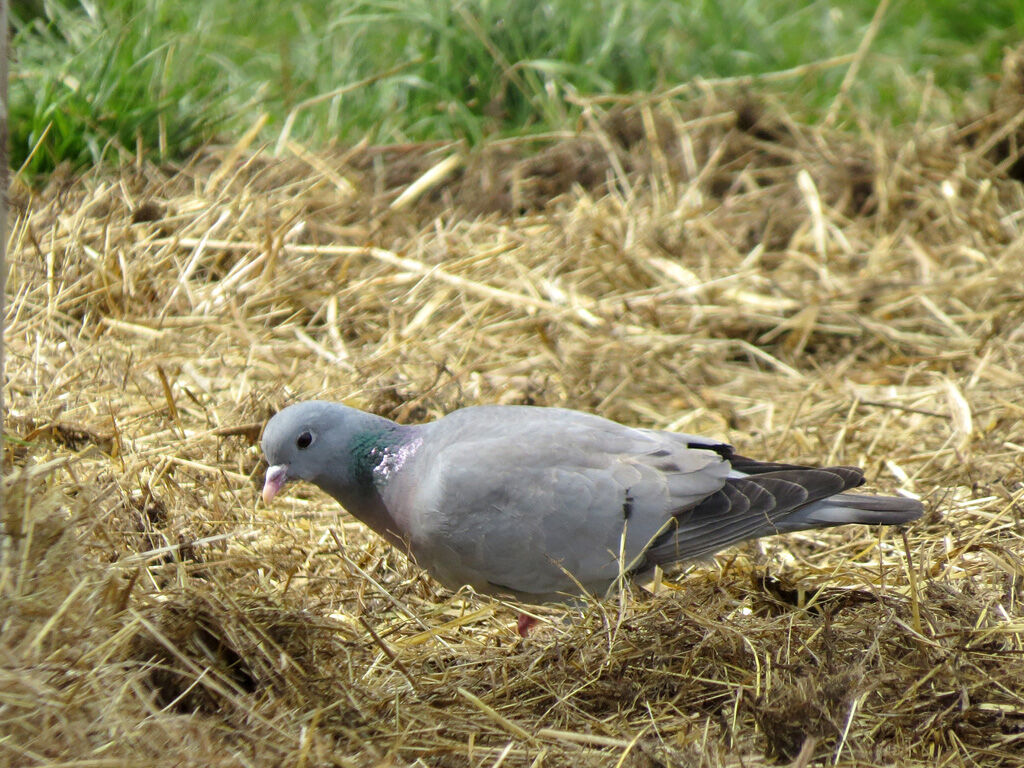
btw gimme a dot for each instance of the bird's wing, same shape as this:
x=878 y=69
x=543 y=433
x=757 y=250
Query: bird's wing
x=519 y=499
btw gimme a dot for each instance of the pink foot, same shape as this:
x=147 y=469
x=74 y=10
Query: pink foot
x=525 y=624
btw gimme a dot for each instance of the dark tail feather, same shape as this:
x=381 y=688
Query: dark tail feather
x=854 y=508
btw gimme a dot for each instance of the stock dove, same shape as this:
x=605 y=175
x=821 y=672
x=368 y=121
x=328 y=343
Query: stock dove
x=545 y=503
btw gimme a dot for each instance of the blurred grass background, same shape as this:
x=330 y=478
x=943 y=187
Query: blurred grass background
x=103 y=81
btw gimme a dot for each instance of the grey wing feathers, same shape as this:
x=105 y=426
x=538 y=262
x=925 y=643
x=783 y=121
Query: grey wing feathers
x=515 y=497
x=769 y=501
x=544 y=493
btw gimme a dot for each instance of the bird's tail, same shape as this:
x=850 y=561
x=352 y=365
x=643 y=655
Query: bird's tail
x=858 y=508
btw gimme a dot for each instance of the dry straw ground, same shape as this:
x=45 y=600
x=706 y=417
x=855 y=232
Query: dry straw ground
x=707 y=266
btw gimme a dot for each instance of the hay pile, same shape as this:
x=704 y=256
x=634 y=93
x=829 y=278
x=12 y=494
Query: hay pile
x=710 y=267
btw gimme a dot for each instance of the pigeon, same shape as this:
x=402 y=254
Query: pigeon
x=549 y=504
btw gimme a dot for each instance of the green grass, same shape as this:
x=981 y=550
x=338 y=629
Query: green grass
x=98 y=82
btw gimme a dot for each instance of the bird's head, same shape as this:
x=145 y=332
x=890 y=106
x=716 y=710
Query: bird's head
x=301 y=442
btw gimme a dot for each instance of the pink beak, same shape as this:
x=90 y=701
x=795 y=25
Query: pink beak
x=277 y=476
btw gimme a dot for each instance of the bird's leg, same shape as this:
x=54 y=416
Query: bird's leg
x=525 y=624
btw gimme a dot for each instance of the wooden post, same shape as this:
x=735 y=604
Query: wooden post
x=5 y=37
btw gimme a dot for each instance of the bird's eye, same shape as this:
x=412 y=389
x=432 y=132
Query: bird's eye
x=304 y=440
